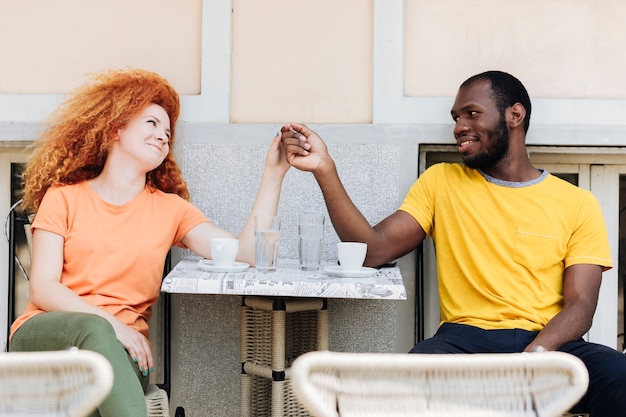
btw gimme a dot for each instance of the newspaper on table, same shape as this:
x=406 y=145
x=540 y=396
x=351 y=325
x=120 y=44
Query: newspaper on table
x=286 y=281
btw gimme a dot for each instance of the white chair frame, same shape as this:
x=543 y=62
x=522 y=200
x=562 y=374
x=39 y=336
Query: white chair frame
x=333 y=384
x=61 y=383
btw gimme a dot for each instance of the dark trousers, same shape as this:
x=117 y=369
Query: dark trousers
x=606 y=395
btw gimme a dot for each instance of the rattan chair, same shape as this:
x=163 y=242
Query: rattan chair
x=60 y=383
x=332 y=384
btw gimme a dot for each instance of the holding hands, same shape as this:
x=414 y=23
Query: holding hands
x=304 y=148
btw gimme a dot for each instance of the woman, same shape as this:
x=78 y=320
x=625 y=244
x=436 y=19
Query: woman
x=110 y=201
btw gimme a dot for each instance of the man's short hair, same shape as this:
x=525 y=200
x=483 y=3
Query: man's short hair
x=506 y=90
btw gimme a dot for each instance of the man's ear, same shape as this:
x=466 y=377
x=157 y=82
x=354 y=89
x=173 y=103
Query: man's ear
x=515 y=115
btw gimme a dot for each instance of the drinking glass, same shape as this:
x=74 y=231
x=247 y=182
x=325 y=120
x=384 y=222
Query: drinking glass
x=267 y=237
x=311 y=234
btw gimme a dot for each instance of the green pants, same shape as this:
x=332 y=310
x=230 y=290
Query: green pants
x=62 y=330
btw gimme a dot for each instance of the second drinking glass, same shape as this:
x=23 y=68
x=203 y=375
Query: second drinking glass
x=311 y=234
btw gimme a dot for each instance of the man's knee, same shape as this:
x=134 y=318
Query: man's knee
x=607 y=376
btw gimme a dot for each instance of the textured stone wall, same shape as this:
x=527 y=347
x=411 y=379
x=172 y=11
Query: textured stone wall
x=223 y=180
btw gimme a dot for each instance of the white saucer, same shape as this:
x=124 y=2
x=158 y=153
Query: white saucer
x=207 y=265
x=336 y=271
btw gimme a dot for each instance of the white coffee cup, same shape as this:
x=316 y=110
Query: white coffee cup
x=224 y=251
x=351 y=255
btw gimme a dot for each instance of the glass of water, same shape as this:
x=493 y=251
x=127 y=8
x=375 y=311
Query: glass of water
x=267 y=237
x=311 y=235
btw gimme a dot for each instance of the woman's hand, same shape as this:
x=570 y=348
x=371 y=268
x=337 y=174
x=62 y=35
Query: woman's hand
x=275 y=159
x=137 y=345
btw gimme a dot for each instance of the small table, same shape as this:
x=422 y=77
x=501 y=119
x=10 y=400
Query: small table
x=283 y=314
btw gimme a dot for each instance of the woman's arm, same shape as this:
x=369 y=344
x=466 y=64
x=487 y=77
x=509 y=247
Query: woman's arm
x=49 y=294
x=266 y=204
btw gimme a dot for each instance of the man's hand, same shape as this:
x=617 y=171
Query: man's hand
x=304 y=148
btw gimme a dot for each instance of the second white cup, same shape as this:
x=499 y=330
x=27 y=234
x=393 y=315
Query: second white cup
x=224 y=251
x=351 y=255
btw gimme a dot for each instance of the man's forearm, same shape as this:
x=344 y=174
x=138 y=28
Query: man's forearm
x=568 y=325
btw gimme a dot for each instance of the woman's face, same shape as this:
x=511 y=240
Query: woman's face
x=146 y=136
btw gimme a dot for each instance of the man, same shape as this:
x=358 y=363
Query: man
x=520 y=253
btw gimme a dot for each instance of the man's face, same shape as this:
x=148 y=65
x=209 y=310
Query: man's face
x=481 y=132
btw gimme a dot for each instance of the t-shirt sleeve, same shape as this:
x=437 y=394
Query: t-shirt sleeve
x=53 y=212
x=589 y=243
x=419 y=201
x=191 y=217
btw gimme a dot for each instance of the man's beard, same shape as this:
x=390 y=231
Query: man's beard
x=495 y=153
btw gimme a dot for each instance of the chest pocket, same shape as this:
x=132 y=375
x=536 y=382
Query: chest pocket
x=536 y=251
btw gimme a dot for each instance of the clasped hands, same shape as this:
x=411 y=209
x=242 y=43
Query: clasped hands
x=304 y=149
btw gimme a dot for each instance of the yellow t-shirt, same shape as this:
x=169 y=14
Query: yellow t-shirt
x=502 y=247
x=114 y=255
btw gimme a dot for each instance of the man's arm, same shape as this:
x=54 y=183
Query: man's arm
x=581 y=285
x=393 y=237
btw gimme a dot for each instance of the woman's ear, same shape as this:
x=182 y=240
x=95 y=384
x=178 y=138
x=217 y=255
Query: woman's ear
x=115 y=135
x=515 y=115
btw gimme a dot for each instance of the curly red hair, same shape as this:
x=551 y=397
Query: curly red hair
x=75 y=145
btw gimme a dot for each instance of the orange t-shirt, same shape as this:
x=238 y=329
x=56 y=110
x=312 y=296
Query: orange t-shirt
x=114 y=255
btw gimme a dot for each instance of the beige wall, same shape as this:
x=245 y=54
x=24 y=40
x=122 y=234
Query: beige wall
x=302 y=60
x=558 y=48
x=283 y=67
x=50 y=46
x=314 y=61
